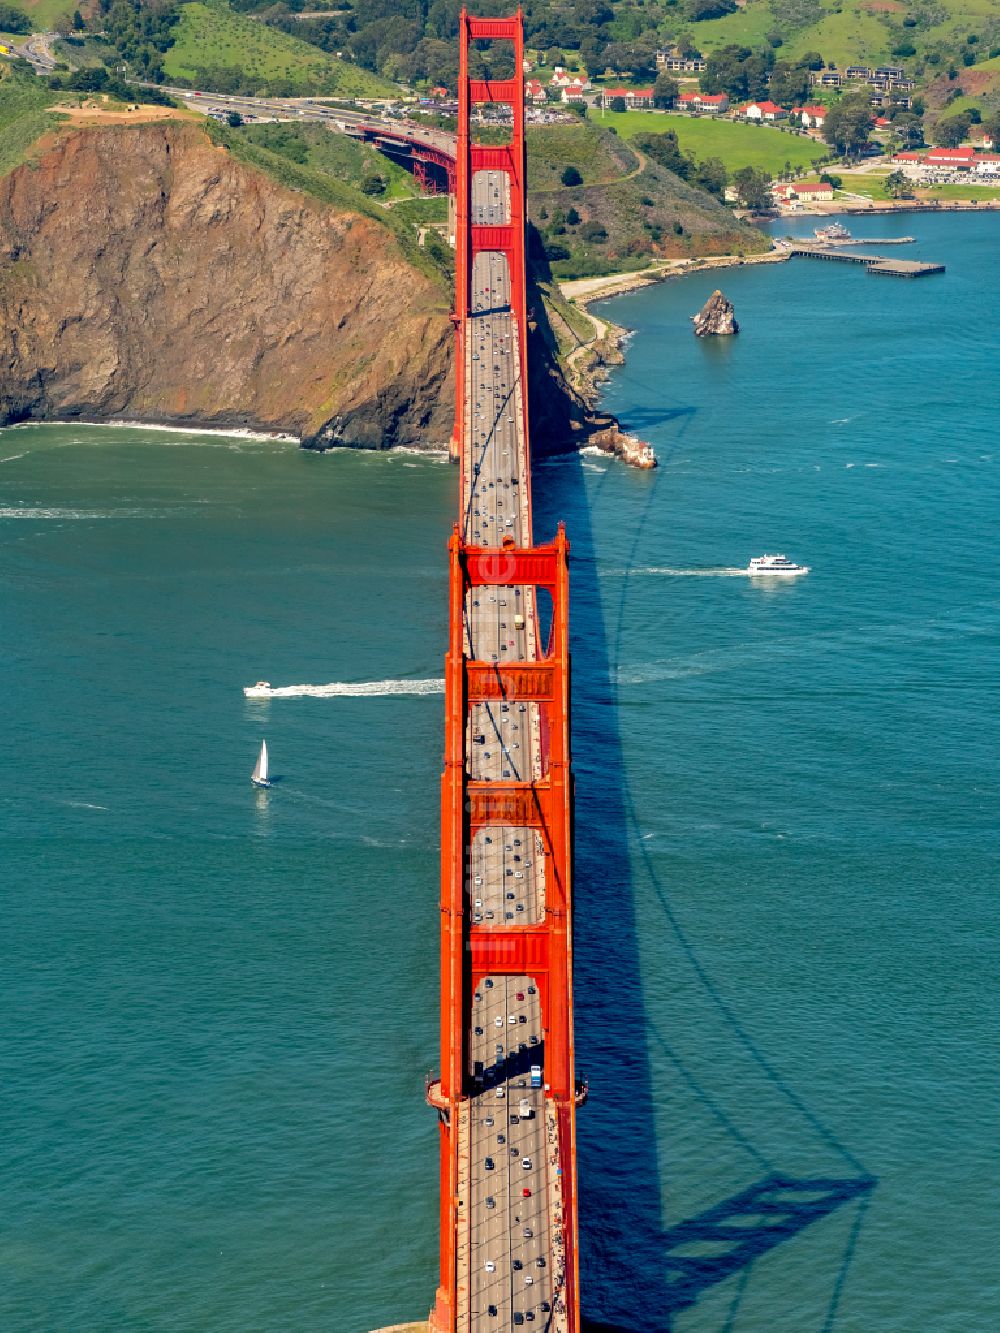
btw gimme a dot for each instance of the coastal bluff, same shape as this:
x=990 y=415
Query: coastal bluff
x=147 y=274
x=150 y=274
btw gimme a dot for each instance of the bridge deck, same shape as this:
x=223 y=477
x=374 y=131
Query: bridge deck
x=510 y=1259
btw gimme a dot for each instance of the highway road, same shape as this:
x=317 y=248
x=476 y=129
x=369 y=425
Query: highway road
x=513 y=1262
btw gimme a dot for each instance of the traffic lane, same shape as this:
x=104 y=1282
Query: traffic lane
x=512 y=1254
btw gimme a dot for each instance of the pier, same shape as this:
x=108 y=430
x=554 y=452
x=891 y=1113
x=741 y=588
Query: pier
x=882 y=264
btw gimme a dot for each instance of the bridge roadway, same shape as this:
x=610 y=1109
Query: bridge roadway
x=511 y=1268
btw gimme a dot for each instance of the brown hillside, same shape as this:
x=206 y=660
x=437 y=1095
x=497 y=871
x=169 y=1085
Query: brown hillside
x=146 y=273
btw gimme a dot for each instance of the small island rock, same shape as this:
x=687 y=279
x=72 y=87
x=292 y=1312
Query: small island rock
x=715 y=316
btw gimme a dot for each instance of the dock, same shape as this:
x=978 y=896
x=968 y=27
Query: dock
x=882 y=264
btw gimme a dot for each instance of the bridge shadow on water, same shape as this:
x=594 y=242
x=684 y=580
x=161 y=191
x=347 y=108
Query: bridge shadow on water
x=638 y=1274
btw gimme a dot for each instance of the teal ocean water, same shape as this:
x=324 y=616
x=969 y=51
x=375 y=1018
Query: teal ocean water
x=219 y=1006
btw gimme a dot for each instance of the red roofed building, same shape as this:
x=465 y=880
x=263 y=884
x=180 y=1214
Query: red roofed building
x=574 y=90
x=534 y=92
x=769 y=111
x=987 y=164
x=810 y=115
x=716 y=103
x=816 y=190
x=956 y=158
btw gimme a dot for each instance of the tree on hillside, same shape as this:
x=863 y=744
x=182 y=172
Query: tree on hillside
x=665 y=90
x=571 y=176
x=991 y=127
x=710 y=9
x=635 y=58
x=711 y=175
x=753 y=188
x=909 y=128
x=951 y=131
x=665 y=151
x=737 y=71
x=14 y=21
x=847 y=124
x=789 y=85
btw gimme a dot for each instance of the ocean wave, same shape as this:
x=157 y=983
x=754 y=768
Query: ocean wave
x=10 y=458
x=270 y=437
x=346 y=689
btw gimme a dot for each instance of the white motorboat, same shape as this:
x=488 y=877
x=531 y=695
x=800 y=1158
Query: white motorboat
x=775 y=566
x=259 y=776
x=262 y=690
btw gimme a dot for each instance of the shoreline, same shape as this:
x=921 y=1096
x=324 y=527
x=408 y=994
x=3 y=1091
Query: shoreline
x=583 y=291
x=587 y=367
x=436 y=451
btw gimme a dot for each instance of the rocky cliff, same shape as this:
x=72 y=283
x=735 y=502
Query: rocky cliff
x=145 y=273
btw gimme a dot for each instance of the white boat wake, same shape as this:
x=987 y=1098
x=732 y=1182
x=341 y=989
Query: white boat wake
x=339 y=689
x=723 y=572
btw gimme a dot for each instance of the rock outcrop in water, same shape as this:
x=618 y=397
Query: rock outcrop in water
x=715 y=317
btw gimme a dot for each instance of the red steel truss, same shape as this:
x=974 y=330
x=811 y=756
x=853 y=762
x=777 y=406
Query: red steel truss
x=543 y=949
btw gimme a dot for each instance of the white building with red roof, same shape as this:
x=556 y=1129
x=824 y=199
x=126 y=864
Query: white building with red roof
x=812 y=117
x=769 y=111
x=716 y=103
x=534 y=92
x=576 y=89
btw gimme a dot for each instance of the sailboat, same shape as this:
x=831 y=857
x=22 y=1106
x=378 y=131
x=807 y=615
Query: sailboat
x=259 y=776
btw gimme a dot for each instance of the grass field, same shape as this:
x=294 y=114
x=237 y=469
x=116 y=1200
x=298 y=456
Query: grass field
x=212 y=37
x=739 y=145
x=874 y=187
x=963 y=192
x=45 y=14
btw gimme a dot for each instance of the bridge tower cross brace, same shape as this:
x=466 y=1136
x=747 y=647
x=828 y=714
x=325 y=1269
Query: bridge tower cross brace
x=510 y=158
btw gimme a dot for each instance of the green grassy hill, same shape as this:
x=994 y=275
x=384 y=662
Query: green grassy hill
x=626 y=212
x=24 y=115
x=225 y=51
x=45 y=14
x=859 y=32
x=736 y=143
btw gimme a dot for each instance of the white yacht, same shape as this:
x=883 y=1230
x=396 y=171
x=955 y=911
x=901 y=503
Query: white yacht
x=775 y=566
x=259 y=776
x=262 y=690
